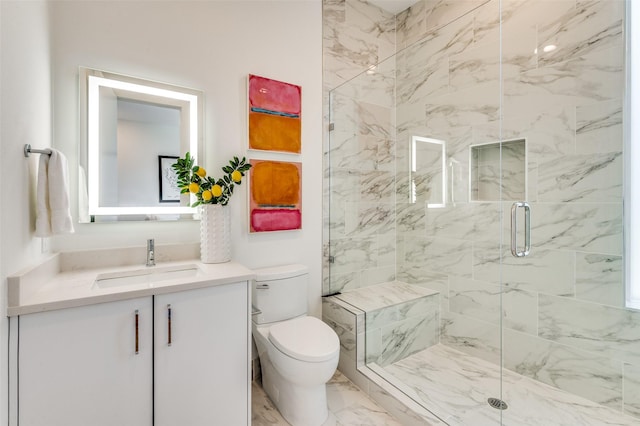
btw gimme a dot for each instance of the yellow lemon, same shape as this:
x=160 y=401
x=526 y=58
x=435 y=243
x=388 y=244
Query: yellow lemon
x=194 y=187
x=216 y=190
x=236 y=176
x=201 y=172
x=207 y=195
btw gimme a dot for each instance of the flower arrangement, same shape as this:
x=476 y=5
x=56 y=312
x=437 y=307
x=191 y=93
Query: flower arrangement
x=193 y=178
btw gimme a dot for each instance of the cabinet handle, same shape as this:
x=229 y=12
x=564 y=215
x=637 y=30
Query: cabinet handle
x=137 y=333
x=169 y=325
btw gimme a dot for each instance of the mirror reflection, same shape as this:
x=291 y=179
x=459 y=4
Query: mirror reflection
x=133 y=131
x=427 y=176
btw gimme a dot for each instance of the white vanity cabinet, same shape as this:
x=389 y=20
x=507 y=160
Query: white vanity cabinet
x=79 y=366
x=202 y=372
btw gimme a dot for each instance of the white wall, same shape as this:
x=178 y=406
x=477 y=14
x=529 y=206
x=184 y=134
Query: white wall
x=208 y=45
x=25 y=117
x=211 y=46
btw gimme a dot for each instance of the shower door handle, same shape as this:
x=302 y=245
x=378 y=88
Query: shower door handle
x=514 y=229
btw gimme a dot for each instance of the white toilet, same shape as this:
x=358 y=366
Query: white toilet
x=298 y=353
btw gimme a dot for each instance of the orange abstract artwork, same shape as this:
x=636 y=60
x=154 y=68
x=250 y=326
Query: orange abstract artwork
x=275 y=196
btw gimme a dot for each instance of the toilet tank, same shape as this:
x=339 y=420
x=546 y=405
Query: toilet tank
x=280 y=293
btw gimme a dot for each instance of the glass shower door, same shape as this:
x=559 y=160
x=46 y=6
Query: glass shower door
x=570 y=351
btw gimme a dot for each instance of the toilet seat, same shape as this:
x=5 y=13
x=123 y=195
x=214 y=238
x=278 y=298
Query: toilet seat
x=305 y=338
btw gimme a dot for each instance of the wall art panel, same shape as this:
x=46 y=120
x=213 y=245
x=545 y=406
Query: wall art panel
x=274 y=115
x=275 y=196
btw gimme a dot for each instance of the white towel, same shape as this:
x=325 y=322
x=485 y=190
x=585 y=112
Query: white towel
x=53 y=214
x=43 y=216
x=83 y=197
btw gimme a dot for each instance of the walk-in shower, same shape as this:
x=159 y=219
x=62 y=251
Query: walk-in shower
x=475 y=187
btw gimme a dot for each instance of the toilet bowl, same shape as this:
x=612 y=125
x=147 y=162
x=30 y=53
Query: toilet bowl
x=298 y=353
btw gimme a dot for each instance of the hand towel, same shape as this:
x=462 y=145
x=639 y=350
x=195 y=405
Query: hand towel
x=43 y=216
x=58 y=174
x=83 y=197
x=53 y=214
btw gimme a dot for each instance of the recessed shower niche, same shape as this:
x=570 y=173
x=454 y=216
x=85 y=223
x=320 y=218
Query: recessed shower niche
x=496 y=175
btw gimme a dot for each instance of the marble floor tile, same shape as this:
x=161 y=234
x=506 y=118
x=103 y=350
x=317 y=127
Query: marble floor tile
x=348 y=406
x=455 y=387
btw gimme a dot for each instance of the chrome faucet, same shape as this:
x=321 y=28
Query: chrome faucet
x=151 y=255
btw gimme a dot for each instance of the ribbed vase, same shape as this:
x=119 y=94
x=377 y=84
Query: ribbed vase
x=215 y=233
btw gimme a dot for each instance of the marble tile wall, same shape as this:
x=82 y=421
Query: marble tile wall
x=359 y=153
x=349 y=326
x=562 y=308
x=360 y=180
x=356 y=35
x=361 y=186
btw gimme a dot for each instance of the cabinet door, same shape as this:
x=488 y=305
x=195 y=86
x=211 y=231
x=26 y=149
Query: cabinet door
x=79 y=366
x=202 y=374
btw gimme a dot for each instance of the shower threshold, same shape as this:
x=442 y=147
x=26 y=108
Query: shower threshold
x=455 y=387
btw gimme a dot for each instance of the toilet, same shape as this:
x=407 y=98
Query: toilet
x=298 y=353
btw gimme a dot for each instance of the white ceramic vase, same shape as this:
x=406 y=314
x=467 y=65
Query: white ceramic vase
x=215 y=233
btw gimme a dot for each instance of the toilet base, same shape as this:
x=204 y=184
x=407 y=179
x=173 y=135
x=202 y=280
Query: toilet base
x=299 y=405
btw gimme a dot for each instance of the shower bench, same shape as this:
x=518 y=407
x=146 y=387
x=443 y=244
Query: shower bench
x=379 y=325
x=392 y=320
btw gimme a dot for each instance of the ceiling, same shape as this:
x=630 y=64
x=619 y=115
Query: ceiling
x=393 y=6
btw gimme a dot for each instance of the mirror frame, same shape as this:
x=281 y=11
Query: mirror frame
x=188 y=101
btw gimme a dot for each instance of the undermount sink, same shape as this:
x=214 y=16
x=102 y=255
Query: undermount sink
x=148 y=275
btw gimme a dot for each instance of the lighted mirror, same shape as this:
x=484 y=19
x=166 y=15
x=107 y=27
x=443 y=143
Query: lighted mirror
x=133 y=131
x=428 y=173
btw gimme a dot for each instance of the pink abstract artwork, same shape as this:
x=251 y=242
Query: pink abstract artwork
x=274 y=115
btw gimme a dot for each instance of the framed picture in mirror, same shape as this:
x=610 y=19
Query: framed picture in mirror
x=168 y=180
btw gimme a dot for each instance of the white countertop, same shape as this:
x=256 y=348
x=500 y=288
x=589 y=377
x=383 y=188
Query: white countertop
x=67 y=280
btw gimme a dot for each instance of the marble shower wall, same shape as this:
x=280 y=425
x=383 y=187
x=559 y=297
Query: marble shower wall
x=356 y=35
x=562 y=308
x=360 y=183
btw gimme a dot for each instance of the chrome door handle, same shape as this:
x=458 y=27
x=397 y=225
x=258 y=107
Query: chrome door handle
x=514 y=229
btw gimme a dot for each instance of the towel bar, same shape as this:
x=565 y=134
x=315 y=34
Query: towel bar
x=28 y=150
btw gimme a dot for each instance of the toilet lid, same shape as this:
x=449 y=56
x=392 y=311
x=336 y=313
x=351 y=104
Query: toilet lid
x=305 y=338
